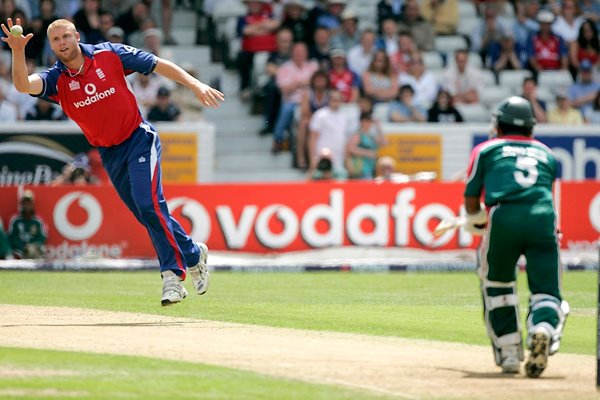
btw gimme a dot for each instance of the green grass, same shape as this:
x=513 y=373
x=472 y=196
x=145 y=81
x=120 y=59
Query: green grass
x=93 y=376
x=439 y=306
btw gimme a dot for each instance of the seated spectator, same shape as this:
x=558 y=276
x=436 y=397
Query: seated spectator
x=257 y=30
x=330 y=19
x=294 y=19
x=87 y=21
x=348 y=36
x=45 y=111
x=365 y=105
x=388 y=40
x=384 y=169
x=39 y=27
x=325 y=170
x=539 y=106
x=272 y=95
x=164 y=110
x=5 y=250
x=463 y=81
x=361 y=151
x=8 y=111
x=316 y=97
x=569 y=21
x=314 y=13
x=442 y=15
x=293 y=78
x=145 y=89
x=361 y=55
x=564 y=113
x=420 y=30
x=131 y=20
x=389 y=9
x=503 y=54
x=27 y=232
x=489 y=30
x=443 y=111
x=115 y=35
x=592 y=116
x=23 y=101
x=320 y=49
x=341 y=78
x=590 y=10
x=524 y=26
x=405 y=109
x=380 y=83
x=586 y=47
x=329 y=127
x=583 y=92
x=423 y=82
x=546 y=50
x=406 y=51
x=107 y=22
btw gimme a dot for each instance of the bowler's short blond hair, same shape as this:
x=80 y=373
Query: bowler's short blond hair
x=61 y=23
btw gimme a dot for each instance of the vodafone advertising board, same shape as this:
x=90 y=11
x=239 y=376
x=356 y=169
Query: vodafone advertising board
x=281 y=217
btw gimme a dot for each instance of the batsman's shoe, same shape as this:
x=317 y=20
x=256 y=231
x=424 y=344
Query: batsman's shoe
x=539 y=345
x=173 y=290
x=511 y=362
x=199 y=272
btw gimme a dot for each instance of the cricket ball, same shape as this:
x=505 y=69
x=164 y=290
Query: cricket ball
x=16 y=30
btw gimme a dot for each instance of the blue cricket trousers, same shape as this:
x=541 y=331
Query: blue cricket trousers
x=134 y=169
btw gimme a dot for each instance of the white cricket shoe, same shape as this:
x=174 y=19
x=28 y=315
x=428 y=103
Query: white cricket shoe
x=539 y=345
x=199 y=272
x=173 y=290
x=511 y=362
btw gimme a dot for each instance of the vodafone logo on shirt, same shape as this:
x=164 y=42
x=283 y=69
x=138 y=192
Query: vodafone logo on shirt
x=93 y=95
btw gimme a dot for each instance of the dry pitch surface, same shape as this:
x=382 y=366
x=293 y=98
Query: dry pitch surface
x=403 y=368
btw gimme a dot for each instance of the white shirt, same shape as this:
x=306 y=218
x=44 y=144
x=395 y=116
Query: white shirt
x=8 y=112
x=23 y=101
x=567 y=32
x=358 y=60
x=455 y=82
x=333 y=128
x=426 y=88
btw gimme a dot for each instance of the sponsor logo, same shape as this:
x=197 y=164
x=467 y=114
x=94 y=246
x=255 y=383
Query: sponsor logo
x=142 y=159
x=89 y=227
x=74 y=85
x=93 y=95
x=195 y=213
x=42 y=174
x=66 y=250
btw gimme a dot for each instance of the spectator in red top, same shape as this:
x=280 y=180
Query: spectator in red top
x=587 y=45
x=257 y=30
x=342 y=79
x=547 y=51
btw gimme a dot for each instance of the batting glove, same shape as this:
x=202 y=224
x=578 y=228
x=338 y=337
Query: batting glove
x=475 y=223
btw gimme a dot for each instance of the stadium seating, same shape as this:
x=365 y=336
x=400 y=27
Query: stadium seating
x=492 y=95
x=513 y=78
x=433 y=60
x=450 y=43
x=555 y=80
x=474 y=112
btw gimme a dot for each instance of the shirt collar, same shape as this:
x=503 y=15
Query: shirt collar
x=86 y=49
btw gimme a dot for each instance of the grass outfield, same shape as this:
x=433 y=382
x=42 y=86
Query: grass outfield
x=438 y=306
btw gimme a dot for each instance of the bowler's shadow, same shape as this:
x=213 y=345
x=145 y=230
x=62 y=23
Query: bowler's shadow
x=498 y=375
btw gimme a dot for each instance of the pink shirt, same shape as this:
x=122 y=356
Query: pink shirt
x=290 y=73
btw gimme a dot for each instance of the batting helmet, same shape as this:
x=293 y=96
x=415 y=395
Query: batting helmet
x=515 y=111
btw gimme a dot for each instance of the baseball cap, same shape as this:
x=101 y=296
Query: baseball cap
x=561 y=93
x=163 y=92
x=298 y=3
x=348 y=14
x=116 y=31
x=27 y=195
x=586 y=65
x=153 y=32
x=545 y=16
x=337 y=53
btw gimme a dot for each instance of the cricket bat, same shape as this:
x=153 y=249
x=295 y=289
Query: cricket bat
x=448 y=225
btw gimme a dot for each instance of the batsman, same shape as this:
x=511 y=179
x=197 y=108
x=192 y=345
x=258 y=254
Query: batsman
x=516 y=174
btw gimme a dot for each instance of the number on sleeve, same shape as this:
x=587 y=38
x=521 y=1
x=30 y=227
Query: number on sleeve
x=527 y=174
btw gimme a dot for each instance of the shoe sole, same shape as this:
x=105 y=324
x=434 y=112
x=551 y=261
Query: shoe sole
x=167 y=302
x=538 y=358
x=203 y=261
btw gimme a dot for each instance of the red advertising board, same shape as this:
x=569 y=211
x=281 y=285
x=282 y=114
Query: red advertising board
x=280 y=217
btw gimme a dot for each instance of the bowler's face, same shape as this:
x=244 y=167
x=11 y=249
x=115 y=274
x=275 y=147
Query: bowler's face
x=64 y=42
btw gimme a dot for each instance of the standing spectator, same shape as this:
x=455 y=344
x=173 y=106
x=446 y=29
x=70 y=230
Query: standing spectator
x=524 y=26
x=586 y=47
x=164 y=110
x=442 y=14
x=45 y=111
x=27 y=232
x=443 y=111
x=567 y=24
x=361 y=151
x=564 y=113
x=293 y=78
x=529 y=88
x=341 y=78
x=389 y=9
x=257 y=30
x=320 y=49
x=503 y=54
x=5 y=250
x=361 y=55
x=405 y=109
x=463 y=81
x=406 y=50
x=348 y=36
x=8 y=111
x=590 y=10
x=272 y=95
x=546 y=50
x=313 y=99
x=583 y=92
x=87 y=20
x=420 y=30
x=487 y=31
x=294 y=19
x=593 y=114
x=380 y=83
x=329 y=127
x=423 y=82
x=388 y=40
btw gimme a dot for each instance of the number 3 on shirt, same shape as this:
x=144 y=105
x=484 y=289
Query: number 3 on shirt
x=527 y=174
